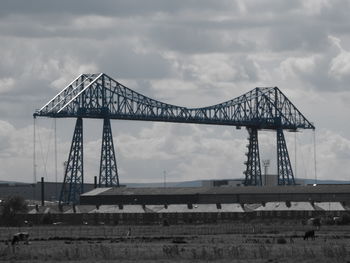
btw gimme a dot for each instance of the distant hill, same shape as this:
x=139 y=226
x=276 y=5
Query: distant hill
x=312 y=181
x=11 y=182
x=196 y=183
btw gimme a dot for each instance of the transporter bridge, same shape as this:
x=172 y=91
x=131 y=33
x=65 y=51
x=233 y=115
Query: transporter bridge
x=99 y=96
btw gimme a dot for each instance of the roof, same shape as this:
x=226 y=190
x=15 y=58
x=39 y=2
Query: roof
x=196 y=208
x=282 y=206
x=220 y=190
x=80 y=209
x=116 y=209
x=329 y=206
x=97 y=191
x=44 y=210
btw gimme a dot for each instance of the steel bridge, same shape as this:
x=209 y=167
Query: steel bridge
x=99 y=96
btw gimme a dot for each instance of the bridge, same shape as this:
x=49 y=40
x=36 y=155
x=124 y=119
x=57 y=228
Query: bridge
x=100 y=96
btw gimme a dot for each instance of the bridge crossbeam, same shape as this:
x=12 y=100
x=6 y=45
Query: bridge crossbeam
x=98 y=96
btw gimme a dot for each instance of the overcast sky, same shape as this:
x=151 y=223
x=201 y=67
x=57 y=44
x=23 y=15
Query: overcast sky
x=189 y=53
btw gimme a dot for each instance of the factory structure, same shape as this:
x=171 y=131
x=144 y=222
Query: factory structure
x=217 y=201
x=184 y=213
x=216 y=195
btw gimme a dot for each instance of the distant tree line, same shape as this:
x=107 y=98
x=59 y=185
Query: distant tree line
x=10 y=208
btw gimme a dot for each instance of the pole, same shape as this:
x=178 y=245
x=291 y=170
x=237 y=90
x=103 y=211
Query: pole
x=315 y=163
x=55 y=135
x=295 y=155
x=164 y=175
x=42 y=192
x=34 y=152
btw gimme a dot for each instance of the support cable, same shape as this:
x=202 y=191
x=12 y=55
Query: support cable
x=305 y=159
x=44 y=156
x=55 y=146
x=34 y=150
x=315 y=160
x=295 y=155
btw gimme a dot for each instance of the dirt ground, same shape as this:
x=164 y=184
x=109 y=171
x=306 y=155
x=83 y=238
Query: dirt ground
x=185 y=243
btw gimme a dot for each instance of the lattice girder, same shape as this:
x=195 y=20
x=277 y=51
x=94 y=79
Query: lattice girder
x=99 y=96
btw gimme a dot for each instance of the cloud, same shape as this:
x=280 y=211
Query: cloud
x=6 y=129
x=194 y=151
x=295 y=66
x=112 y=8
x=6 y=84
x=339 y=65
x=186 y=54
x=332 y=155
x=329 y=71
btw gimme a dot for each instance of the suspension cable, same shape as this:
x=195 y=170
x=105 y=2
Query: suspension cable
x=315 y=162
x=43 y=155
x=55 y=146
x=295 y=155
x=34 y=151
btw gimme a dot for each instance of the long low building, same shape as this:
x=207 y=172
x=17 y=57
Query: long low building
x=216 y=195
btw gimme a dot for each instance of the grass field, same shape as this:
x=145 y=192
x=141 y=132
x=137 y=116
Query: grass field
x=236 y=242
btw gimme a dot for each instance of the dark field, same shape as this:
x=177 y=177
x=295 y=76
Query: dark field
x=236 y=242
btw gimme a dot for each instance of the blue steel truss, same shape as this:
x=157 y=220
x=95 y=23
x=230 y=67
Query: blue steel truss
x=284 y=167
x=253 y=169
x=108 y=164
x=73 y=182
x=100 y=96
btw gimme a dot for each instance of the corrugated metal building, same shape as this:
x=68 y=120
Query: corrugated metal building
x=217 y=195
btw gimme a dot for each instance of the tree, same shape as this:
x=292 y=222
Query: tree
x=11 y=208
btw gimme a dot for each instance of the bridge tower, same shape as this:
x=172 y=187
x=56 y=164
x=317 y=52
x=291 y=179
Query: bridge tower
x=73 y=182
x=108 y=164
x=284 y=167
x=253 y=167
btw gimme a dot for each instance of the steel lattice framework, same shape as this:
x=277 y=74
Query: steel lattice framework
x=100 y=96
x=253 y=169
x=73 y=183
x=108 y=163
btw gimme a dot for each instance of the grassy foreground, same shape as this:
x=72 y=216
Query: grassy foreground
x=188 y=243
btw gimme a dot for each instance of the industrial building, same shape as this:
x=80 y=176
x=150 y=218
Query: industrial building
x=216 y=195
x=123 y=205
x=183 y=214
x=51 y=192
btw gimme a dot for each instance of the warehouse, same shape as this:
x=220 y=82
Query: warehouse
x=216 y=195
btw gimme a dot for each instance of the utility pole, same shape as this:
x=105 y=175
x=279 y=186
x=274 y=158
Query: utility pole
x=34 y=152
x=55 y=135
x=164 y=177
x=266 y=164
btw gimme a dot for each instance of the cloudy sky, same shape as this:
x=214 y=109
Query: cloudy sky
x=190 y=53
